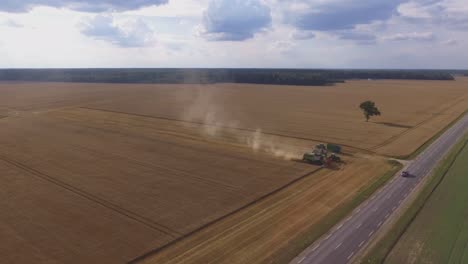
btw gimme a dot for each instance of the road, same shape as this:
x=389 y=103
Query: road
x=350 y=235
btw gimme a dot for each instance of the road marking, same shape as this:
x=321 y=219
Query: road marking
x=360 y=244
x=315 y=247
x=302 y=259
x=358 y=210
x=379 y=224
x=328 y=236
x=359 y=225
x=401 y=200
x=339 y=245
x=387 y=215
x=371 y=233
x=394 y=207
x=340 y=226
x=374 y=209
x=350 y=255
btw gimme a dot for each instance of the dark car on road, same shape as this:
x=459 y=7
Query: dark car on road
x=405 y=174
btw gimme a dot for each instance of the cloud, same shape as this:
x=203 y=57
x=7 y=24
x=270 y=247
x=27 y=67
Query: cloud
x=414 y=36
x=450 y=13
x=450 y=42
x=235 y=20
x=282 y=46
x=362 y=38
x=340 y=14
x=303 y=34
x=79 y=5
x=12 y=23
x=131 y=34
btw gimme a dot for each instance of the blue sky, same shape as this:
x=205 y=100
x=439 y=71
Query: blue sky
x=234 y=33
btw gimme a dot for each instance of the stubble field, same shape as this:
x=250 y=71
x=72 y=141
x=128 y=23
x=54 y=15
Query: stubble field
x=107 y=172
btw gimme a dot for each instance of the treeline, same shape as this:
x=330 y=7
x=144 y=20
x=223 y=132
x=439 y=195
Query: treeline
x=177 y=76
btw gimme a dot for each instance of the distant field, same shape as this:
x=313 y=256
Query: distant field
x=439 y=234
x=107 y=172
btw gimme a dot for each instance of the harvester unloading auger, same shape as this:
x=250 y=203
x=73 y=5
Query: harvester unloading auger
x=319 y=155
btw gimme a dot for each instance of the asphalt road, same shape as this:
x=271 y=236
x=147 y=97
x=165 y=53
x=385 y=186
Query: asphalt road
x=350 y=235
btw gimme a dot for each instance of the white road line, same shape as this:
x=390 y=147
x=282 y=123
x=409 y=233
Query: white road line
x=387 y=215
x=360 y=244
x=401 y=200
x=379 y=224
x=315 y=247
x=302 y=259
x=350 y=255
x=328 y=236
x=371 y=233
x=358 y=210
x=374 y=209
x=338 y=227
x=359 y=225
x=339 y=245
x=394 y=207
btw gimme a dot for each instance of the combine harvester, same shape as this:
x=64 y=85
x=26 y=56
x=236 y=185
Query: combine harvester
x=319 y=155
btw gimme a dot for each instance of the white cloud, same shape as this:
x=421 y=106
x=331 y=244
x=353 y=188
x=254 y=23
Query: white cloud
x=132 y=33
x=235 y=20
x=412 y=36
x=177 y=34
x=78 y=5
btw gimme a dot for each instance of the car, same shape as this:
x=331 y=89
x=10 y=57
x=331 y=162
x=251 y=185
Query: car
x=405 y=174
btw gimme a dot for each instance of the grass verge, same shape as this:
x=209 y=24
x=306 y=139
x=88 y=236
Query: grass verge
x=432 y=139
x=381 y=250
x=330 y=220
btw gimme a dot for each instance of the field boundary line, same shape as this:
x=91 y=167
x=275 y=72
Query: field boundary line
x=93 y=198
x=431 y=117
x=259 y=199
x=225 y=127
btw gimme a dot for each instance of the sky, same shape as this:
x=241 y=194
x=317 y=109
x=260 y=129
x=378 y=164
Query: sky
x=234 y=34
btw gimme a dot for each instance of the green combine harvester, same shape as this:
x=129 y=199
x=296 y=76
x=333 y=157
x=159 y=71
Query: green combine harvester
x=319 y=156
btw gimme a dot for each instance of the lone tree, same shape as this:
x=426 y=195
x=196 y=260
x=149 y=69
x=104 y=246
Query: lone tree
x=369 y=109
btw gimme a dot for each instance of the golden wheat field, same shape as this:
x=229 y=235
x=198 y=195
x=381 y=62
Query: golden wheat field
x=104 y=173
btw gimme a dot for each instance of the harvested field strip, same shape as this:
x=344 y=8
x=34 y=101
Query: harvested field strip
x=433 y=138
x=93 y=198
x=124 y=162
x=227 y=127
x=269 y=230
x=395 y=137
x=252 y=203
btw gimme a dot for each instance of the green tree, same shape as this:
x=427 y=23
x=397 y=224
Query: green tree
x=369 y=109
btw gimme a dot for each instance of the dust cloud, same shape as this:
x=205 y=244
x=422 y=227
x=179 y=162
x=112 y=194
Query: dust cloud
x=204 y=105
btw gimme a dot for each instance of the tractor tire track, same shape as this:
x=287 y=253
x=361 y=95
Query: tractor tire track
x=228 y=127
x=147 y=222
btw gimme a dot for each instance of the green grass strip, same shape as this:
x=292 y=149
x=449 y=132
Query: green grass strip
x=380 y=251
